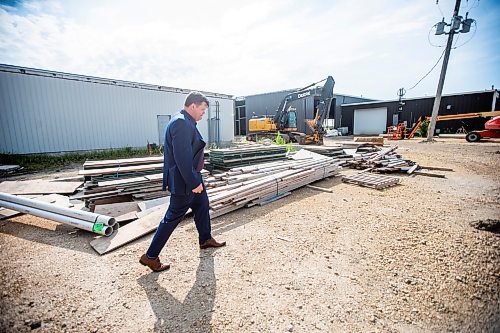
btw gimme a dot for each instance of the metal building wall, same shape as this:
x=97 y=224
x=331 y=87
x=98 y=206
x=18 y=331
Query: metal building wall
x=40 y=113
x=345 y=99
x=268 y=103
x=415 y=108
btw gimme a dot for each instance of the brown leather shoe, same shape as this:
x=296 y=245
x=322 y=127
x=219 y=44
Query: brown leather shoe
x=154 y=264
x=212 y=243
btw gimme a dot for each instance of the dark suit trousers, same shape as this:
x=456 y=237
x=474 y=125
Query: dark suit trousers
x=179 y=204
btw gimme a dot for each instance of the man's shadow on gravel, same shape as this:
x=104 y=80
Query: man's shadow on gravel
x=195 y=312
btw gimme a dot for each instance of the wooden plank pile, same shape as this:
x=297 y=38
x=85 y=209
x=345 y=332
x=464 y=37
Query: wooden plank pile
x=256 y=184
x=332 y=151
x=112 y=181
x=370 y=158
x=371 y=180
x=236 y=188
x=228 y=158
x=382 y=160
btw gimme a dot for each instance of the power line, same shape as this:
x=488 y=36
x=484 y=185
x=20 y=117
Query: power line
x=437 y=62
x=439 y=7
x=475 y=4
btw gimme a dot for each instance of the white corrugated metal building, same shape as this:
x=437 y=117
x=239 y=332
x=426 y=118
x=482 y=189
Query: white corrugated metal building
x=43 y=112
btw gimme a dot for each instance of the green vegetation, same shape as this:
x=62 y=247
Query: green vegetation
x=39 y=162
x=280 y=141
x=422 y=130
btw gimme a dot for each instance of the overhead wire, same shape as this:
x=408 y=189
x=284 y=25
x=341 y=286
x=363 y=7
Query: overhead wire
x=439 y=7
x=437 y=62
x=471 y=37
x=455 y=42
x=429 y=37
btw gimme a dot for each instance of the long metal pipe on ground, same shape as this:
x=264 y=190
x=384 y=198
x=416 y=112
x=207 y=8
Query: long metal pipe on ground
x=57 y=213
x=77 y=214
x=101 y=229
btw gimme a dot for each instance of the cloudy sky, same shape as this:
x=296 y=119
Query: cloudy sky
x=371 y=48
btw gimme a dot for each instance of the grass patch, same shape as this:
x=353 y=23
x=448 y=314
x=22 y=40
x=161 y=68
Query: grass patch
x=39 y=162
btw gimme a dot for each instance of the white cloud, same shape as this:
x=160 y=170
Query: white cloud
x=371 y=48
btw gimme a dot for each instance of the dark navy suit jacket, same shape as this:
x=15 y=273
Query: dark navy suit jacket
x=183 y=152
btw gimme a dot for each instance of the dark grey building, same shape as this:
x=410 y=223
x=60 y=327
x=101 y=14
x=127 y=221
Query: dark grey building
x=267 y=104
x=374 y=117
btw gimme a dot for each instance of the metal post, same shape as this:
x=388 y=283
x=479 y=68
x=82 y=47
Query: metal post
x=437 y=100
x=494 y=101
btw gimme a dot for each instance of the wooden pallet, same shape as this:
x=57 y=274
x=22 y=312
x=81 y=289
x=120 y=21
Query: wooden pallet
x=375 y=181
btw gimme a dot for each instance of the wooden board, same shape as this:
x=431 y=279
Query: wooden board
x=116 y=209
x=371 y=180
x=118 y=170
x=39 y=186
x=322 y=189
x=128 y=233
x=122 y=162
x=163 y=207
x=145 y=205
x=126 y=217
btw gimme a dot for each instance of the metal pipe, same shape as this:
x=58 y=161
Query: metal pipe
x=217 y=116
x=97 y=228
x=77 y=214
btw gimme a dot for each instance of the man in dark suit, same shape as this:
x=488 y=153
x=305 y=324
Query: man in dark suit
x=183 y=161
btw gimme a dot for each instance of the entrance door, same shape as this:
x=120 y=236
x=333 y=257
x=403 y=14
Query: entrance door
x=370 y=121
x=162 y=124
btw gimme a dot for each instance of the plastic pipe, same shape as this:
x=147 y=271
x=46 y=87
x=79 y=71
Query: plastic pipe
x=77 y=214
x=97 y=228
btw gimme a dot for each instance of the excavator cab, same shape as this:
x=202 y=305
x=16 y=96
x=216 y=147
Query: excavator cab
x=291 y=119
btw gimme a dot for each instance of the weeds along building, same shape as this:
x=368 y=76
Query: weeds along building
x=50 y=112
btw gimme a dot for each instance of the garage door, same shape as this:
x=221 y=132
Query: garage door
x=370 y=121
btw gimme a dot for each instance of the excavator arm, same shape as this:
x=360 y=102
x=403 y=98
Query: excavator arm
x=316 y=124
x=282 y=115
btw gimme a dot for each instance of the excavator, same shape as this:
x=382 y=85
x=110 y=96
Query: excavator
x=285 y=119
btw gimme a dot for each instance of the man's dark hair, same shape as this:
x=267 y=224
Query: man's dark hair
x=196 y=98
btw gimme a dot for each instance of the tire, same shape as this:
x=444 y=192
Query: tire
x=473 y=137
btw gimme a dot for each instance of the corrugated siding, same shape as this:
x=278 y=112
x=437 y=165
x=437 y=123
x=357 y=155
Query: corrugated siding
x=268 y=103
x=416 y=108
x=342 y=99
x=41 y=114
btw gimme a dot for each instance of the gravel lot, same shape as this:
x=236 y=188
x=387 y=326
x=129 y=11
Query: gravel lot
x=405 y=259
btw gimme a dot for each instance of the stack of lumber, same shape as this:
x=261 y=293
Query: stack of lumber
x=121 y=180
x=332 y=151
x=382 y=160
x=246 y=155
x=260 y=183
x=375 y=181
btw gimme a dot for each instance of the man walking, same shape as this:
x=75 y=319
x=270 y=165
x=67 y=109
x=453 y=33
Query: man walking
x=183 y=161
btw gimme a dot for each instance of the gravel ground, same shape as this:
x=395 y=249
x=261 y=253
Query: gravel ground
x=405 y=259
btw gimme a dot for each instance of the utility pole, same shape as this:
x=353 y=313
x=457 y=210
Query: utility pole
x=437 y=101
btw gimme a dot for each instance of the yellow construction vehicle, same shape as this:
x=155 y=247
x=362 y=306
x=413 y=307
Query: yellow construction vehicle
x=285 y=120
